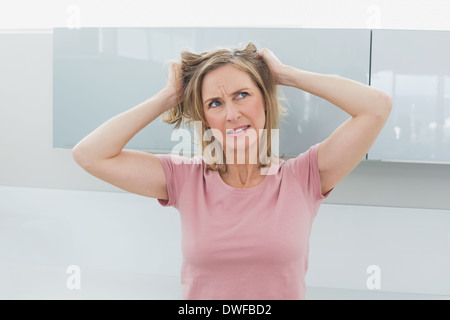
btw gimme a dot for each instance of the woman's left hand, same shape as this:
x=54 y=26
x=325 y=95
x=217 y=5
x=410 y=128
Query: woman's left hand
x=277 y=68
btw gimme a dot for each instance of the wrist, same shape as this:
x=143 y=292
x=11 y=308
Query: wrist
x=286 y=76
x=169 y=95
x=297 y=78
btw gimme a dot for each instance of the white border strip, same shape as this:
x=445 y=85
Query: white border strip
x=26 y=31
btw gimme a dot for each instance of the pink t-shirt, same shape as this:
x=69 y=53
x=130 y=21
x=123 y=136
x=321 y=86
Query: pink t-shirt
x=244 y=243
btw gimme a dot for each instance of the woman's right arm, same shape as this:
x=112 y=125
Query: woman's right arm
x=101 y=152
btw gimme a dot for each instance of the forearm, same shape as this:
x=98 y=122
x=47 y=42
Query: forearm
x=351 y=96
x=110 y=138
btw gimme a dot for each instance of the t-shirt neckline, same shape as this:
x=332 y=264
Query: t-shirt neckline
x=218 y=179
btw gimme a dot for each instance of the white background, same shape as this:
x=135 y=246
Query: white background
x=18 y=15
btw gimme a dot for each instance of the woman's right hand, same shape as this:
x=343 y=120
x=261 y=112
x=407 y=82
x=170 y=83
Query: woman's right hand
x=174 y=83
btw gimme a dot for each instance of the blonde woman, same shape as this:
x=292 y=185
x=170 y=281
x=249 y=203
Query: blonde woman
x=245 y=230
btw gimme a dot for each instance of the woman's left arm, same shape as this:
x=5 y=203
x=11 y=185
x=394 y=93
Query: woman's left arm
x=368 y=107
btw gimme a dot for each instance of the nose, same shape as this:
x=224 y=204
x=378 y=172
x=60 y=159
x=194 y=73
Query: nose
x=233 y=113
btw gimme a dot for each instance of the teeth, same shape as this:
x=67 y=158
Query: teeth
x=239 y=130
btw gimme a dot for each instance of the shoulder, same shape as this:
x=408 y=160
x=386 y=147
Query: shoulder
x=179 y=171
x=305 y=169
x=181 y=166
x=175 y=159
x=304 y=161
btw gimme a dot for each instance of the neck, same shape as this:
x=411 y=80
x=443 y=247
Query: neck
x=242 y=170
x=242 y=175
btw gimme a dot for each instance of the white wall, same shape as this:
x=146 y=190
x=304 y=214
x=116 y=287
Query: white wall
x=45 y=196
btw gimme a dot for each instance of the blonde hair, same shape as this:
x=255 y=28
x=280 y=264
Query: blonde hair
x=194 y=67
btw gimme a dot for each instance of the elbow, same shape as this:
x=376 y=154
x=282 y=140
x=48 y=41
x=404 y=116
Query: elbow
x=383 y=107
x=86 y=158
x=76 y=154
x=387 y=104
x=79 y=156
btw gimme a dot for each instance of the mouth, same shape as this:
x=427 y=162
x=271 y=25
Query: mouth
x=237 y=131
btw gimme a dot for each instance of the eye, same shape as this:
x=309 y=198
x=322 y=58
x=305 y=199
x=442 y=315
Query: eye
x=214 y=104
x=243 y=94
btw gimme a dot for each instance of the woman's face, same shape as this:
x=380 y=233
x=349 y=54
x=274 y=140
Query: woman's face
x=231 y=100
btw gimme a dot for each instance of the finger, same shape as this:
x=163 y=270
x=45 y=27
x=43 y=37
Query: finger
x=261 y=52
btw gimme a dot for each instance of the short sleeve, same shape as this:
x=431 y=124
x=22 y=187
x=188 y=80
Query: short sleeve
x=177 y=170
x=306 y=170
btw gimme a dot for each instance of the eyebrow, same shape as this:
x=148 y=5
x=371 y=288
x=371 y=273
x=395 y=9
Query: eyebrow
x=234 y=93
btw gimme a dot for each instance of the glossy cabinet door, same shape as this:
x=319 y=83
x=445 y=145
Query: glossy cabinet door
x=100 y=72
x=414 y=68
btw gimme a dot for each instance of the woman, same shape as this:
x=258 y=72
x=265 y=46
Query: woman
x=245 y=231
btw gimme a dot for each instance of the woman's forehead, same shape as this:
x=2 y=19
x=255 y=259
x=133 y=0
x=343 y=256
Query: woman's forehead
x=228 y=78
